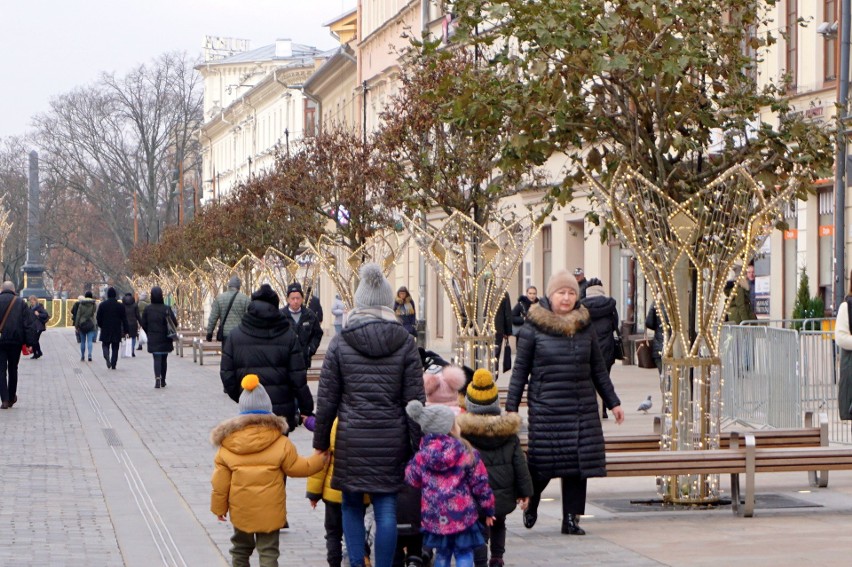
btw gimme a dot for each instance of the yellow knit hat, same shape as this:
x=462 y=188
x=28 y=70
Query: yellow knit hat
x=482 y=395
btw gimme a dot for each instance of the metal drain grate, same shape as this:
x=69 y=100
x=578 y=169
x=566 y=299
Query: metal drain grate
x=112 y=438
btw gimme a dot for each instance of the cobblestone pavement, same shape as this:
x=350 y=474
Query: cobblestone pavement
x=101 y=469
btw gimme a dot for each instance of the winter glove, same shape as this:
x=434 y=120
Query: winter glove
x=209 y=337
x=310 y=423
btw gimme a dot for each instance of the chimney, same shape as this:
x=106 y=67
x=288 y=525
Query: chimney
x=283 y=48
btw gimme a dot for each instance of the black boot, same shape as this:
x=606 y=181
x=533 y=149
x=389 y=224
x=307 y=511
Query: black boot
x=530 y=517
x=157 y=383
x=163 y=382
x=571 y=525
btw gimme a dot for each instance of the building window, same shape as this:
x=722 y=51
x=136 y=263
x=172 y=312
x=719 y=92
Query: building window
x=830 y=43
x=792 y=32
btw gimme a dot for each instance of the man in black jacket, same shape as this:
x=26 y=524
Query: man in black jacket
x=18 y=329
x=112 y=321
x=303 y=321
x=264 y=344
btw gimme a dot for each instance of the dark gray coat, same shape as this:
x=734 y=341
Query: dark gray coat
x=370 y=372
x=112 y=320
x=559 y=359
x=20 y=326
x=604 y=317
x=265 y=344
x=496 y=439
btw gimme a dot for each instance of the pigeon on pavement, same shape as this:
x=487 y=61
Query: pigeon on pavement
x=646 y=405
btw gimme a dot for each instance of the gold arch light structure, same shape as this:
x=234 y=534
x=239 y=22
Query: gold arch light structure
x=686 y=247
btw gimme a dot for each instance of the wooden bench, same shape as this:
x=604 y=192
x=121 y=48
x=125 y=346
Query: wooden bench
x=503 y=391
x=185 y=339
x=747 y=459
x=199 y=347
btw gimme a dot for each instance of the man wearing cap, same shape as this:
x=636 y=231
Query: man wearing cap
x=303 y=321
x=227 y=309
x=581 y=281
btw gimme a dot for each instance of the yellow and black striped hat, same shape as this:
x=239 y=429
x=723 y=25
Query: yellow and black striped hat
x=482 y=394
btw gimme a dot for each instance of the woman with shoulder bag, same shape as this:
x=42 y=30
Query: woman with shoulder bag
x=155 y=322
x=84 y=322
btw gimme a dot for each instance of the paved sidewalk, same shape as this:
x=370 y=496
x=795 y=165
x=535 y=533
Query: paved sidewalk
x=101 y=469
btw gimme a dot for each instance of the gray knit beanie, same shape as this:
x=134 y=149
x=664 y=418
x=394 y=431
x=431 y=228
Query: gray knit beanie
x=373 y=290
x=432 y=419
x=254 y=398
x=235 y=282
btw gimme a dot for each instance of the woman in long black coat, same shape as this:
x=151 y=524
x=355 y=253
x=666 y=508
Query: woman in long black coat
x=155 y=326
x=560 y=364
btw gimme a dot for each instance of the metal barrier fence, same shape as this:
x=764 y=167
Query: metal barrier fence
x=772 y=374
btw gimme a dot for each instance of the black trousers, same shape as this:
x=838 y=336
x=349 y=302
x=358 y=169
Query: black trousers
x=495 y=537
x=334 y=534
x=10 y=356
x=161 y=365
x=573 y=493
x=112 y=359
x=37 y=344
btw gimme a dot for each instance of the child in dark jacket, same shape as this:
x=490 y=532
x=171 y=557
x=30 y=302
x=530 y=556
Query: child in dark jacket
x=495 y=436
x=454 y=484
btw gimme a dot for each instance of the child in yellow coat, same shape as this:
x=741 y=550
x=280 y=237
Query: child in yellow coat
x=253 y=458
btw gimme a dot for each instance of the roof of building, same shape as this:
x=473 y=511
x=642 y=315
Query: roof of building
x=267 y=53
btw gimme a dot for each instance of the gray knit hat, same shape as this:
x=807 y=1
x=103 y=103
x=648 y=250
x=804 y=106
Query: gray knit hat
x=235 y=282
x=254 y=398
x=432 y=419
x=373 y=290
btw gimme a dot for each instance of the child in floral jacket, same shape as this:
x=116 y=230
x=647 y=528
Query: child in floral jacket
x=454 y=484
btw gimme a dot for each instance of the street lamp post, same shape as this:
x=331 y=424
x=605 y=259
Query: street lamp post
x=840 y=160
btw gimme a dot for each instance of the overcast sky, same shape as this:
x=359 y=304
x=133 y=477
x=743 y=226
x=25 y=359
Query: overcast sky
x=48 y=47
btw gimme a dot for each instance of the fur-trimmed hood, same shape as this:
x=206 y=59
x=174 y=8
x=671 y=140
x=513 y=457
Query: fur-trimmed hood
x=495 y=426
x=256 y=432
x=553 y=324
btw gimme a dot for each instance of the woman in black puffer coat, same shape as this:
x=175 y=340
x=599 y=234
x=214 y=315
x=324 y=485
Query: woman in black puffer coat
x=266 y=345
x=131 y=311
x=159 y=343
x=370 y=372
x=559 y=357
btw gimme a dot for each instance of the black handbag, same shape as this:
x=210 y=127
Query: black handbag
x=507 y=357
x=171 y=330
x=618 y=347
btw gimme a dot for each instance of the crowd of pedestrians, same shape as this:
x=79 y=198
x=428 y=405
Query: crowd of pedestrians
x=422 y=442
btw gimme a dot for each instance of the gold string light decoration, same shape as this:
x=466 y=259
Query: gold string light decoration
x=703 y=238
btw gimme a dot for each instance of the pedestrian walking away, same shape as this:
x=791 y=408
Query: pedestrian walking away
x=112 y=321
x=253 y=459
x=144 y=302
x=495 y=436
x=559 y=358
x=227 y=310
x=84 y=324
x=454 y=483
x=131 y=312
x=370 y=371
x=155 y=323
x=17 y=328
x=264 y=344
x=41 y=318
x=604 y=316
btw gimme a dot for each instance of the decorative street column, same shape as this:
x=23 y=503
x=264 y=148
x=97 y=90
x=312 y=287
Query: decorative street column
x=475 y=264
x=33 y=268
x=686 y=251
